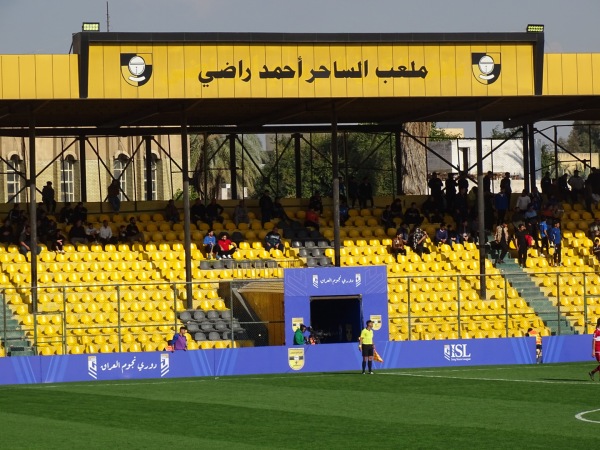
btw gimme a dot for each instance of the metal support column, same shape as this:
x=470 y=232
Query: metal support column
x=298 y=164
x=555 y=152
x=525 y=129
x=398 y=145
x=336 y=186
x=33 y=214
x=532 y=167
x=148 y=167
x=185 y=163
x=82 y=169
x=480 y=209
x=232 y=167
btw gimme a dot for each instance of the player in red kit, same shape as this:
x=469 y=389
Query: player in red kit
x=596 y=348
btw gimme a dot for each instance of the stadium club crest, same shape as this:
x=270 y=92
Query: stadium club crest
x=486 y=67
x=376 y=319
x=136 y=68
x=92 y=367
x=296 y=358
x=296 y=322
x=164 y=364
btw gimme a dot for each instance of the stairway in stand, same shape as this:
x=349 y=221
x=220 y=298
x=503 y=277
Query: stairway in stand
x=11 y=336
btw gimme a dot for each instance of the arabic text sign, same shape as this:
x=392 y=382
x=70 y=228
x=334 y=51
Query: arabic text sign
x=123 y=365
x=306 y=71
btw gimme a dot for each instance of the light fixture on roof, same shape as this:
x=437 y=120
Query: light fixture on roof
x=90 y=26
x=535 y=28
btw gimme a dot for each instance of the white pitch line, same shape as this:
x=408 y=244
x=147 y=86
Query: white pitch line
x=480 y=379
x=581 y=414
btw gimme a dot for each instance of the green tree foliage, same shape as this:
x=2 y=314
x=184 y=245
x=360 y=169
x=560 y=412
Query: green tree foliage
x=506 y=133
x=584 y=137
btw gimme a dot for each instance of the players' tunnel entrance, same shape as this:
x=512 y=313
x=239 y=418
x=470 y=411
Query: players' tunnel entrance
x=336 y=319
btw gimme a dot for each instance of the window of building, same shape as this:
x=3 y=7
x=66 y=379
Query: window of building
x=121 y=174
x=153 y=164
x=67 y=179
x=14 y=180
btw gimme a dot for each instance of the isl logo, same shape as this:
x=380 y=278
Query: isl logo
x=456 y=352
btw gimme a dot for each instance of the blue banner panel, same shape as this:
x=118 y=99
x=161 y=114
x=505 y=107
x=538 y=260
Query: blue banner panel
x=20 y=370
x=567 y=348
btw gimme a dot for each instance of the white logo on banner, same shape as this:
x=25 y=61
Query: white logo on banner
x=92 y=367
x=358 y=280
x=456 y=352
x=164 y=364
x=316 y=281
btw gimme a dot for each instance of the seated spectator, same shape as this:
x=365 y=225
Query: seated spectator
x=240 y=213
x=344 y=213
x=91 y=232
x=594 y=230
x=452 y=236
x=464 y=232
x=213 y=212
x=226 y=246
x=279 y=212
x=171 y=212
x=134 y=233
x=273 y=240
x=412 y=216
x=596 y=248
x=80 y=212
x=311 y=219
x=210 y=245
x=105 y=235
x=316 y=203
x=398 y=244
x=66 y=214
x=122 y=237
x=436 y=216
x=77 y=234
x=16 y=216
x=396 y=209
x=417 y=240
x=198 y=211
x=57 y=241
x=441 y=235
x=25 y=243
x=7 y=235
x=114 y=189
x=387 y=218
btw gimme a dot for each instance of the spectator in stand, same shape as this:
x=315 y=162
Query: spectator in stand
x=48 y=198
x=501 y=203
x=171 y=212
x=450 y=192
x=316 y=202
x=56 y=240
x=463 y=182
x=77 y=234
x=452 y=236
x=563 y=187
x=265 y=204
x=91 y=232
x=435 y=189
x=436 y=216
x=105 y=234
x=213 y=212
x=417 y=240
x=505 y=184
x=279 y=211
x=594 y=229
x=396 y=209
x=17 y=216
x=122 y=237
x=546 y=184
x=7 y=234
x=114 y=189
x=521 y=244
x=596 y=249
x=25 y=243
x=311 y=219
x=352 y=191
x=543 y=230
x=80 y=212
x=240 y=213
x=577 y=187
x=134 y=233
x=441 y=235
x=487 y=183
x=523 y=202
x=344 y=213
x=387 y=218
x=555 y=238
x=464 y=232
x=198 y=211
x=536 y=199
x=66 y=214
x=226 y=247
x=412 y=215
x=365 y=193
x=210 y=245
x=273 y=240
x=398 y=244
x=502 y=240
x=461 y=205
x=179 y=341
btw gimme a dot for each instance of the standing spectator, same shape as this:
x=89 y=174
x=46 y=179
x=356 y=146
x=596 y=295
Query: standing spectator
x=563 y=186
x=501 y=203
x=555 y=238
x=226 y=246
x=352 y=191
x=463 y=182
x=521 y=244
x=311 y=219
x=210 y=245
x=344 y=213
x=171 y=212
x=273 y=240
x=544 y=229
x=105 y=234
x=365 y=193
x=48 y=198
x=316 y=202
x=505 y=184
x=501 y=238
x=279 y=211
x=265 y=204
x=367 y=347
x=523 y=202
x=134 y=233
x=25 y=242
x=198 y=211
x=213 y=212
x=487 y=183
x=398 y=244
x=180 y=340
x=546 y=184
x=240 y=213
x=435 y=187
x=114 y=189
x=577 y=187
x=77 y=234
x=450 y=192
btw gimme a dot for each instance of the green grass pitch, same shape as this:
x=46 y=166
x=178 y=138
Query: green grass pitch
x=539 y=406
